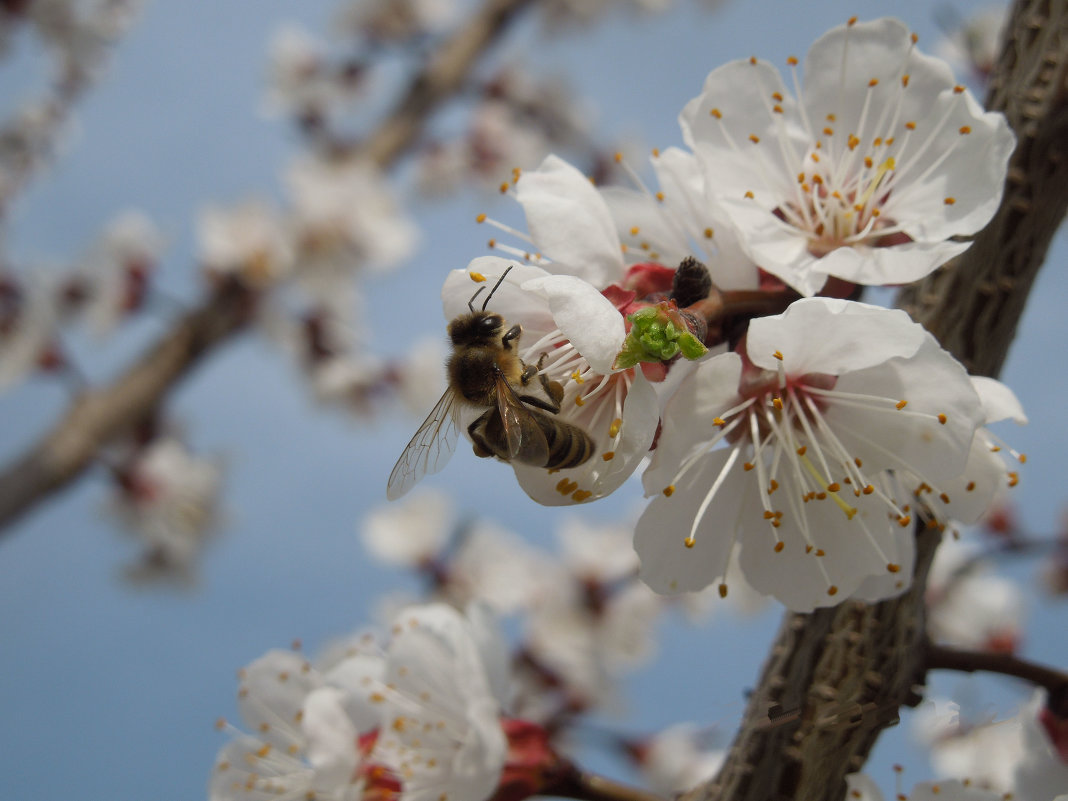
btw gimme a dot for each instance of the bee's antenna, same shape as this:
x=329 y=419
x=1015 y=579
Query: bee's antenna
x=477 y=291
x=499 y=282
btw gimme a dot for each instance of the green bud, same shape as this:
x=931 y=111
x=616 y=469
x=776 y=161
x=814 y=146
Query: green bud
x=658 y=334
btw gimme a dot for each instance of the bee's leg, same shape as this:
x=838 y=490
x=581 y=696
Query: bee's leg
x=511 y=335
x=554 y=389
x=478 y=442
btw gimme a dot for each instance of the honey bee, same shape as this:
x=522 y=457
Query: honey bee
x=485 y=371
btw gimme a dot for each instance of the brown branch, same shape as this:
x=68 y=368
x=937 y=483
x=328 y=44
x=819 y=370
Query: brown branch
x=574 y=783
x=444 y=75
x=873 y=655
x=941 y=657
x=97 y=417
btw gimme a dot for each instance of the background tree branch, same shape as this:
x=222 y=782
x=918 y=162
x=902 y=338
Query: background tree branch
x=98 y=417
x=838 y=676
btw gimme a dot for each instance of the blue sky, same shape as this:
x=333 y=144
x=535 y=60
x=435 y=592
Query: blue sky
x=112 y=693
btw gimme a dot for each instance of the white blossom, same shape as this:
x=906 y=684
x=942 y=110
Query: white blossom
x=866 y=175
x=574 y=333
x=827 y=397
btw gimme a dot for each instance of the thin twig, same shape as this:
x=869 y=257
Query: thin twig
x=574 y=783
x=942 y=657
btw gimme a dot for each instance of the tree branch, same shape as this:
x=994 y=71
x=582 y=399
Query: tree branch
x=97 y=417
x=871 y=657
x=941 y=657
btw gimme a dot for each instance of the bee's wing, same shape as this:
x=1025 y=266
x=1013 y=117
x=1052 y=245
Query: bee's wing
x=428 y=450
x=522 y=433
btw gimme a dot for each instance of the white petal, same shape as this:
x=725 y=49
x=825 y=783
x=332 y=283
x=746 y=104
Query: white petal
x=511 y=302
x=999 y=402
x=584 y=316
x=570 y=222
x=331 y=736
x=667 y=565
x=829 y=336
x=273 y=689
x=687 y=421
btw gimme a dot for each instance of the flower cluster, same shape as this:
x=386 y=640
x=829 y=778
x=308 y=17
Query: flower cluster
x=420 y=719
x=713 y=321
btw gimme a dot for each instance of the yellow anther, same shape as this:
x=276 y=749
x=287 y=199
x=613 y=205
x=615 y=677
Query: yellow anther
x=748 y=466
x=778 y=355
x=608 y=455
x=722 y=590
x=779 y=546
x=828 y=131
x=820 y=552
x=492 y=243
x=660 y=196
x=893 y=568
x=749 y=194
x=1014 y=478
x=708 y=233
x=910 y=125
x=905 y=80
x=873 y=83
x=715 y=112
x=958 y=89
x=943 y=497
x=1022 y=458
x=853 y=141
x=719 y=421
x=656 y=152
x=618 y=157
x=792 y=61
x=580 y=495
x=753 y=60
x=965 y=129
x=669 y=490
x=504 y=187
x=777 y=403
x=754 y=139
x=689 y=542
x=577 y=377
x=634 y=230
x=949 y=201
x=802 y=450
x=904 y=520
x=579 y=401
x=614 y=428
x=772 y=486
x=478 y=278
x=834 y=486
x=901 y=404
x=832 y=590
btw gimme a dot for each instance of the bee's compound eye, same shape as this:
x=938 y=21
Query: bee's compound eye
x=488 y=325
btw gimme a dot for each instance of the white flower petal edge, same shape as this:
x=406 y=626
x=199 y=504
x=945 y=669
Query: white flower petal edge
x=570 y=222
x=881 y=161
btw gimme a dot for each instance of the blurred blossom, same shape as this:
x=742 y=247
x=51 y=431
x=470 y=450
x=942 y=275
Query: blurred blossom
x=676 y=759
x=499 y=568
x=971 y=45
x=862 y=788
x=28 y=327
x=420 y=375
x=301 y=78
x=396 y=21
x=1025 y=755
x=169 y=499
x=596 y=553
x=968 y=605
x=249 y=242
x=346 y=219
x=867 y=176
x=411 y=533
x=118 y=269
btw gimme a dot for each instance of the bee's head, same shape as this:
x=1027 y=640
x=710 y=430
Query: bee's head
x=477 y=328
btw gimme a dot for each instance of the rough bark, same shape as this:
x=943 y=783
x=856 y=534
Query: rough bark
x=835 y=679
